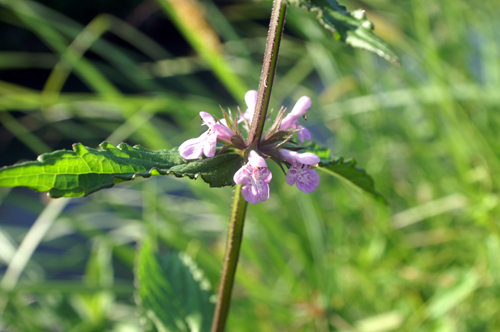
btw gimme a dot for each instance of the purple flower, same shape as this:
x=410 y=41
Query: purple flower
x=255 y=176
x=251 y=101
x=207 y=143
x=291 y=120
x=300 y=173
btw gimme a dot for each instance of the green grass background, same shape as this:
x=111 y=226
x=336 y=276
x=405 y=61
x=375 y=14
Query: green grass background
x=333 y=260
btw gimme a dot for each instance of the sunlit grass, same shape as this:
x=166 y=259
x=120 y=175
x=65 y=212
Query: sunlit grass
x=332 y=260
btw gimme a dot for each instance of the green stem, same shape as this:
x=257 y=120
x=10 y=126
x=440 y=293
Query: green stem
x=238 y=210
x=234 y=238
x=268 y=70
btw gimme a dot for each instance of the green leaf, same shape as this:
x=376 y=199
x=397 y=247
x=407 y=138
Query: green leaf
x=346 y=170
x=85 y=170
x=351 y=28
x=323 y=153
x=357 y=177
x=172 y=292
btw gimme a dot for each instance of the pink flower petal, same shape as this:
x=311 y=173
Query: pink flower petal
x=293 y=174
x=301 y=106
x=251 y=98
x=252 y=196
x=243 y=175
x=287 y=155
x=192 y=148
x=223 y=132
x=255 y=180
x=307 y=158
x=262 y=174
x=304 y=133
x=256 y=160
x=258 y=190
x=210 y=144
x=251 y=101
x=308 y=180
x=208 y=119
x=261 y=191
x=290 y=121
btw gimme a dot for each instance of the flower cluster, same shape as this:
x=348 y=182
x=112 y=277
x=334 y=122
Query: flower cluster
x=254 y=174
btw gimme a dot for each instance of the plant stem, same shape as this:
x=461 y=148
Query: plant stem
x=238 y=210
x=268 y=70
x=234 y=238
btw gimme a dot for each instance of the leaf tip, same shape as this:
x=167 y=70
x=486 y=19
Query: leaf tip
x=79 y=149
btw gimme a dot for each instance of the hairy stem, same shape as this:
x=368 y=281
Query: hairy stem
x=234 y=238
x=268 y=70
x=238 y=210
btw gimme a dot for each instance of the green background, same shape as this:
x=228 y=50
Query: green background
x=333 y=260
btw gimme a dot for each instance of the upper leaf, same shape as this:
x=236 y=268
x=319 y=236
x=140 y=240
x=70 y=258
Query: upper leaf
x=346 y=170
x=351 y=28
x=323 y=153
x=85 y=170
x=357 y=177
x=172 y=292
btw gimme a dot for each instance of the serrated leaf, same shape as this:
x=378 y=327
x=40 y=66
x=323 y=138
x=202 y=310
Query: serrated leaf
x=357 y=177
x=85 y=170
x=345 y=170
x=351 y=28
x=324 y=154
x=172 y=293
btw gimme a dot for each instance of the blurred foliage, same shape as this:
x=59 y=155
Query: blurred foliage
x=334 y=260
x=351 y=28
x=172 y=293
